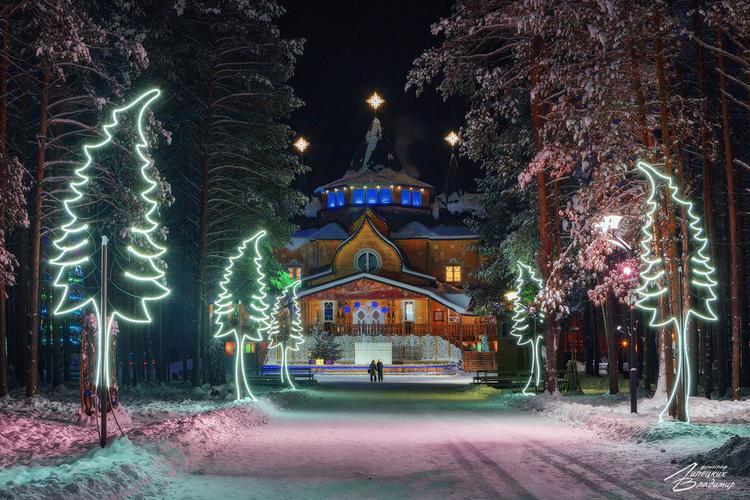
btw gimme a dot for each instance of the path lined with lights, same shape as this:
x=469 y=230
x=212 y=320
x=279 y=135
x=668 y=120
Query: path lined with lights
x=347 y=439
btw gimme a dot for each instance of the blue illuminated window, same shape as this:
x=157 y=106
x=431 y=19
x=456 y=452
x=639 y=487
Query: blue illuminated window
x=358 y=196
x=416 y=198
x=372 y=196
x=385 y=196
x=340 y=198
x=405 y=197
x=331 y=200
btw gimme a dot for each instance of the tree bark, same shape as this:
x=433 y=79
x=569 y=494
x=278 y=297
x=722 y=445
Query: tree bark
x=201 y=341
x=32 y=383
x=4 y=28
x=669 y=230
x=734 y=265
x=546 y=250
x=709 y=216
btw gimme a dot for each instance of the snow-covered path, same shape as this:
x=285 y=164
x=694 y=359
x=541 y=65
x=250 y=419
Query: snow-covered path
x=401 y=440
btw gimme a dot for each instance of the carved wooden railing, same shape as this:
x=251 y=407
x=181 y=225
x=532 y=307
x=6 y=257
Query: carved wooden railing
x=454 y=333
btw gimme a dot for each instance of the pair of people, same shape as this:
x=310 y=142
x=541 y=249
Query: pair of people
x=376 y=371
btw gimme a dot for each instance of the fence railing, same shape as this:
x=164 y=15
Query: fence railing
x=455 y=333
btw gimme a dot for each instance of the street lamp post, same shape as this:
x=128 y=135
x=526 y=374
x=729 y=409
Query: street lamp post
x=613 y=222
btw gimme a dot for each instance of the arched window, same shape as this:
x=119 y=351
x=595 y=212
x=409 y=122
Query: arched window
x=367 y=261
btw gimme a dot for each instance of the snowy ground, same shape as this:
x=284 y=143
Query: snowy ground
x=410 y=437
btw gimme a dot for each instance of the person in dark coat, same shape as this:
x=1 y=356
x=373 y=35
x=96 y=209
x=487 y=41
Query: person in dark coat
x=373 y=371
x=379 y=368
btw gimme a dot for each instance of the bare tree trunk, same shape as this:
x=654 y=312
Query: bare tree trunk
x=201 y=340
x=32 y=383
x=608 y=314
x=669 y=230
x=546 y=250
x=734 y=265
x=709 y=217
x=4 y=27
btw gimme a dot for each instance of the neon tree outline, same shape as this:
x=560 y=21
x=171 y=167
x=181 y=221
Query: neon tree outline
x=520 y=323
x=651 y=276
x=74 y=227
x=225 y=306
x=289 y=294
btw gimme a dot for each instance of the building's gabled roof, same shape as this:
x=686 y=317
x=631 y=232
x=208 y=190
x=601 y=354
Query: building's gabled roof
x=457 y=301
x=417 y=230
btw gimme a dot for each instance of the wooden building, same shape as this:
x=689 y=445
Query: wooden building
x=378 y=263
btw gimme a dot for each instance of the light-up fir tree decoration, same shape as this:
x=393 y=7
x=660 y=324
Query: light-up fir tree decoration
x=141 y=275
x=524 y=325
x=653 y=279
x=285 y=330
x=227 y=305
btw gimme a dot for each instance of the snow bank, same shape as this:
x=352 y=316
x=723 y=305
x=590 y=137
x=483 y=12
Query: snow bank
x=610 y=415
x=735 y=454
x=120 y=470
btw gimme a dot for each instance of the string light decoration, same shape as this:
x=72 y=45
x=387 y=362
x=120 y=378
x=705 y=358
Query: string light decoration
x=295 y=337
x=653 y=277
x=257 y=312
x=524 y=332
x=75 y=245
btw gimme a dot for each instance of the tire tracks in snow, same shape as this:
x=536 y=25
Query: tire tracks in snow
x=469 y=467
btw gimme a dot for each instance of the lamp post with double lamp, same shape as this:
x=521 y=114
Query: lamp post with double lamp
x=608 y=226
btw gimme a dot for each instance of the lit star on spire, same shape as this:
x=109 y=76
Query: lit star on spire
x=301 y=144
x=375 y=101
x=452 y=138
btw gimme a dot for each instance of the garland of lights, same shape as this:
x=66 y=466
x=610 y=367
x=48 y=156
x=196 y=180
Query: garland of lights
x=521 y=323
x=652 y=276
x=295 y=334
x=76 y=239
x=225 y=306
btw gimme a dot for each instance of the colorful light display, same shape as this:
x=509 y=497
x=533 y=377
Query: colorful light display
x=295 y=338
x=653 y=278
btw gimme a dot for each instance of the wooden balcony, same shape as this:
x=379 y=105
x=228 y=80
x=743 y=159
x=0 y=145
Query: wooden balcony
x=457 y=334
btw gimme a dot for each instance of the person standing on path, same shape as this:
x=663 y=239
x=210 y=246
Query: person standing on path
x=373 y=371
x=379 y=367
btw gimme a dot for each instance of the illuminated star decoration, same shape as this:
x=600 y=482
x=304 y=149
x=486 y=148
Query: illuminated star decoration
x=521 y=326
x=225 y=306
x=653 y=277
x=375 y=101
x=75 y=245
x=452 y=138
x=295 y=339
x=301 y=144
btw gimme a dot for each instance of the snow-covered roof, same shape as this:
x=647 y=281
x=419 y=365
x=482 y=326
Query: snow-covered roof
x=331 y=231
x=416 y=229
x=459 y=302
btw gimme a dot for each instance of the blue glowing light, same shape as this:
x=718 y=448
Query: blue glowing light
x=416 y=198
x=372 y=196
x=385 y=196
x=340 y=198
x=384 y=309
x=347 y=309
x=374 y=304
x=405 y=197
x=358 y=196
x=356 y=305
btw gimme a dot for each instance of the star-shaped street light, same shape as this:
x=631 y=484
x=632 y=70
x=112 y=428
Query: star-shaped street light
x=375 y=101
x=301 y=144
x=452 y=138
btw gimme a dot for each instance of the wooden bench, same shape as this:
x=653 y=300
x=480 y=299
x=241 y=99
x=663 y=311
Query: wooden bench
x=502 y=379
x=272 y=377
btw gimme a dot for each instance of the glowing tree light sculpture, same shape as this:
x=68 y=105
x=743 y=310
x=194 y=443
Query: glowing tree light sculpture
x=141 y=276
x=284 y=334
x=653 y=277
x=524 y=327
x=257 y=312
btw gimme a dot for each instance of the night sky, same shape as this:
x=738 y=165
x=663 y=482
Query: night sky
x=352 y=49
